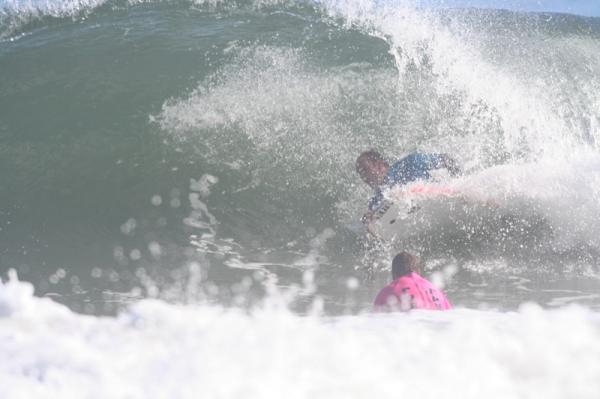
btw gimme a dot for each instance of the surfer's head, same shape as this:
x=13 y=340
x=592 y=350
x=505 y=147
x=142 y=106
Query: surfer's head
x=372 y=168
x=405 y=263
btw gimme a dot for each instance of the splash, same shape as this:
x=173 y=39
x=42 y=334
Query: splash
x=154 y=350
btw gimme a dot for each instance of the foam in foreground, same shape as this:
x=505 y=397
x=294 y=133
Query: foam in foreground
x=158 y=350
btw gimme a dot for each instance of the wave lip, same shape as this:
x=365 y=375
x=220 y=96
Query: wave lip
x=15 y=14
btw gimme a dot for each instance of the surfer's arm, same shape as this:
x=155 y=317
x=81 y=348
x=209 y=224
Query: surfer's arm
x=369 y=217
x=368 y=220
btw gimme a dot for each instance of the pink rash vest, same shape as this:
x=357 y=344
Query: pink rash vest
x=410 y=292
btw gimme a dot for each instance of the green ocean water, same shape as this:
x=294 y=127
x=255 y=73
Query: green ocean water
x=168 y=148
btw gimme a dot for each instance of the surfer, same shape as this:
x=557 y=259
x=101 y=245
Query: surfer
x=409 y=290
x=379 y=175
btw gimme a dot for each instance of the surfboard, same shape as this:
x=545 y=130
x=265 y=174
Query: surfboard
x=407 y=205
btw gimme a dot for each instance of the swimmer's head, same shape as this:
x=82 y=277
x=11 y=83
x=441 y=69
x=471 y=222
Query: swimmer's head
x=372 y=168
x=404 y=264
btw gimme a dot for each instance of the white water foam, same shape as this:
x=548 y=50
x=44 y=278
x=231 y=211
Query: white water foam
x=531 y=104
x=565 y=193
x=288 y=112
x=549 y=129
x=156 y=350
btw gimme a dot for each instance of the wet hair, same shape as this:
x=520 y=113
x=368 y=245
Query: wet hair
x=405 y=263
x=367 y=156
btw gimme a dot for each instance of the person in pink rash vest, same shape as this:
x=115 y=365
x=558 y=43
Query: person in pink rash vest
x=409 y=290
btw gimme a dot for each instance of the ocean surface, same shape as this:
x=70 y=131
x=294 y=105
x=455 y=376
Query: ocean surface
x=179 y=207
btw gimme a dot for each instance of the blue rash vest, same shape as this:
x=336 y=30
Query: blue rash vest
x=410 y=168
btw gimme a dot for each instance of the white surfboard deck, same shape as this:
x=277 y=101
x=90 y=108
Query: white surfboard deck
x=408 y=205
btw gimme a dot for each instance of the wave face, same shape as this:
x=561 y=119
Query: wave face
x=150 y=146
